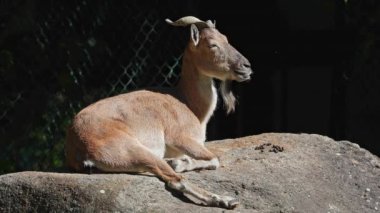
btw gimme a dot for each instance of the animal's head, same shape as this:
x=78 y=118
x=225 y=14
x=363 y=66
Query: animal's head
x=214 y=56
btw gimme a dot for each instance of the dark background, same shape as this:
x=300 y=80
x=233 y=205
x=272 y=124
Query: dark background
x=316 y=66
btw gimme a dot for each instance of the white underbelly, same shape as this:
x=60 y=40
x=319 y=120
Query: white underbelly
x=154 y=141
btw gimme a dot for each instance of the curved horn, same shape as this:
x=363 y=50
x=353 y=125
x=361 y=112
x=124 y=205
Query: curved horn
x=188 y=20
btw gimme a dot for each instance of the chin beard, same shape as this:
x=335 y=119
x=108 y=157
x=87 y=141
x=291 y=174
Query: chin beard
x=228 y=97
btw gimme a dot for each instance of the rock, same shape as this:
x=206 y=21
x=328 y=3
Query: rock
x=267 y=173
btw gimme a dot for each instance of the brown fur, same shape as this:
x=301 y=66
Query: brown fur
x=133 y=132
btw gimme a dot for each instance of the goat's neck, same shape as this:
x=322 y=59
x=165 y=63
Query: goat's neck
x=197 y=91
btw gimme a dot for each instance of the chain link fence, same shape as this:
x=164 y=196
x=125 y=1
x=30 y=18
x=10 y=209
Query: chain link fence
x=58 y=57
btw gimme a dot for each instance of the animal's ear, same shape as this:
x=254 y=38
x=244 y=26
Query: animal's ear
x=194 y=34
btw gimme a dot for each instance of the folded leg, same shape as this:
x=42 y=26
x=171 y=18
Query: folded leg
x=196 y=156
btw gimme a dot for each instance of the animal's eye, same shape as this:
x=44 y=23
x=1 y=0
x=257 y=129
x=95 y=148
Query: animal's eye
x=211 y=46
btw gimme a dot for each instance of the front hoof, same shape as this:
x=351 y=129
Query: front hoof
x=225 y=202
x=178 y=165
x=229 y=202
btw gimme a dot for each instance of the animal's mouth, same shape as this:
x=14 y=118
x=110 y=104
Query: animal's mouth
x=243 y=75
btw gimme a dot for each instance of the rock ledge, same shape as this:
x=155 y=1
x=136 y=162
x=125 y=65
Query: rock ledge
x=272 y=172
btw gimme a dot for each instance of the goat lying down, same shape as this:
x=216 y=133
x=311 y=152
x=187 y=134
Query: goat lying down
x=136 y=131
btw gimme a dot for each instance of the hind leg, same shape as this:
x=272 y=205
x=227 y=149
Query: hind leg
x=197 y=156
x=137 y=158
x=161 y=169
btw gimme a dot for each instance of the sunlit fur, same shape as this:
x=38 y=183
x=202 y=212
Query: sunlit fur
x=134 y=132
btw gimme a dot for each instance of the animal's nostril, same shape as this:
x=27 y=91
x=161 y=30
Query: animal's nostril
x=247 y=65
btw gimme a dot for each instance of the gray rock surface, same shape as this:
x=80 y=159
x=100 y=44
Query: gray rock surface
x=267 y=173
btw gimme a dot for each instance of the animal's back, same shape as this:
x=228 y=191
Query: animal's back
x=150 y=118
x=133 y=132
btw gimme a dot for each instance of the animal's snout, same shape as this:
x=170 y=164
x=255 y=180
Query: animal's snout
x=243 y=71
x=243 y=74
x=247 y=68
x=247 y=65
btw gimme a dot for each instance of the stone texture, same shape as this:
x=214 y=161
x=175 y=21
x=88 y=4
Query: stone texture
x=268 y=173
